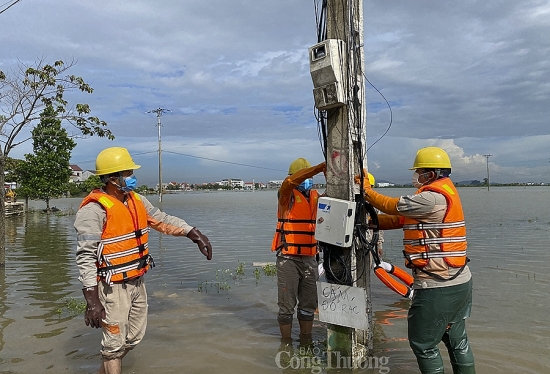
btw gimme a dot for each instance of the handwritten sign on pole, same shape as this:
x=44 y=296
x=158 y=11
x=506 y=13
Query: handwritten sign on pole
x=342 y=305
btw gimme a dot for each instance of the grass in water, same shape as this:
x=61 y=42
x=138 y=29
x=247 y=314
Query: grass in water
x=223 y=277
x=73 y=306
x=270 y=270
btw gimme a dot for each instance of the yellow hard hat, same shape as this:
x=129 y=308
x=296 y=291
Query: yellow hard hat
x=114 y=159
x=297 y=165
x=431 y=158
x=372 y=181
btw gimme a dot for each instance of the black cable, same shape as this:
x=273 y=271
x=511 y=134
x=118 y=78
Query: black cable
x=366 y=218
x=9 y=6
x=202 y=158
x=321 y=19
x=391 y=113
x=222 y=161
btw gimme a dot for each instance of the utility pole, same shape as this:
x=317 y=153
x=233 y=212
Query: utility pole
x=159 y=112
x=488 y=180
x=345 y=148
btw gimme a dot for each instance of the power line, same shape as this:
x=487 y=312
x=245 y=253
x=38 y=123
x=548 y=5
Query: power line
x=9 y=6
x=199 y=157
x=222 y=161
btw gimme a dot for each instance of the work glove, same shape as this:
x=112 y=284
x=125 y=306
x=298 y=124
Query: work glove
x=201 y=241
x=381 y=202
x=324 y=164
x=366 y=182
x=95 y=311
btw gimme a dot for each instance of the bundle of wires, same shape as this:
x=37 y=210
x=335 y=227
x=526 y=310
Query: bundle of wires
x=336 y=260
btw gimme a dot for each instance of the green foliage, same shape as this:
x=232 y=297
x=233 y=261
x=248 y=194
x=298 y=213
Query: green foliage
x=91 y=183
x=257 y=274
x=73 y=306
x=47 y=171
x=25 y=93
x=144 y=190
x=223 y=277
x=270 y=270
x=239 y=271
x=74 y=189
x=210 y=186
x=172 y=187
x=84 y=188
x=29 y=90
x=10 y=168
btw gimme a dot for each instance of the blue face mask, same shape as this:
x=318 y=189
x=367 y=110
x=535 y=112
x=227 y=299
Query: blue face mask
x=306 y=185
x=131 y=183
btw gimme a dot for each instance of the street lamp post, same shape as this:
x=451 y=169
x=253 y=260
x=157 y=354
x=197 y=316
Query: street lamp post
x=159 y=112
x=488 y=180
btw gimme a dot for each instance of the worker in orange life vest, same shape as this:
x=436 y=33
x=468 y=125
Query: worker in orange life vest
x=112 y=255
x=435 y=249
x=296 y=248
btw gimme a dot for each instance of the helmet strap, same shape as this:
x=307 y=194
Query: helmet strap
x=118 y=185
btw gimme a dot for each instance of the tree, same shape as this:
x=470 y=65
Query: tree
x=10 y=169
x=92 y=183
x=48 y=171
x=23 y=191
x=24 y=94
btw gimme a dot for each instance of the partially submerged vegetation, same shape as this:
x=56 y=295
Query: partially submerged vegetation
x=224 y=277
x=72 y=306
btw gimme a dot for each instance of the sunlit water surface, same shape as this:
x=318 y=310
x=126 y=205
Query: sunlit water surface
x=204 y=317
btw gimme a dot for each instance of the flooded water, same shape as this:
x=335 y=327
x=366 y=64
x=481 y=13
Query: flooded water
x=206 y=317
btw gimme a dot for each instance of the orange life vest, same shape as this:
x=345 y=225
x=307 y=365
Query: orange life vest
x=452 y=232
x=123 y=252
x=296 y=226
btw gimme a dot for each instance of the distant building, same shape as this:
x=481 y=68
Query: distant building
x=76 y=176
x=231 y=182
x=384 y=184
x=87 y=174
x=274 y=184
x=173 y=186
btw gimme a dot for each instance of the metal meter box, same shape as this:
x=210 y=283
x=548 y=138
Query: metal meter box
x=326 y=60
x=335 y=221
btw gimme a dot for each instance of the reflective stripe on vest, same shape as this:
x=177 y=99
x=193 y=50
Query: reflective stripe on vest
x=296 y=227
x=452 y=235
x=123 y=252
x=135 y=234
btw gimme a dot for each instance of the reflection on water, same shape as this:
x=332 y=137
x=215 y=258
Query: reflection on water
x=235 y=330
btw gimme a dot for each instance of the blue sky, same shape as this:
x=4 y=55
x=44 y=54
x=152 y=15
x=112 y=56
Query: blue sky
x=472 y=77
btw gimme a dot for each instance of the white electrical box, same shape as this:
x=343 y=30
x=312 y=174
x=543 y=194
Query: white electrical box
x=329 y=96
x=335 y=221
x=325 y=65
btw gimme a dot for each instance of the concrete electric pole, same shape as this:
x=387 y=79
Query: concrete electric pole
x=159 y=112
x=346 y=156
x=488 y=180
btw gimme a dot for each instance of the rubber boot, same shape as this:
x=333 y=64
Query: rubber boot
x=460 y=353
